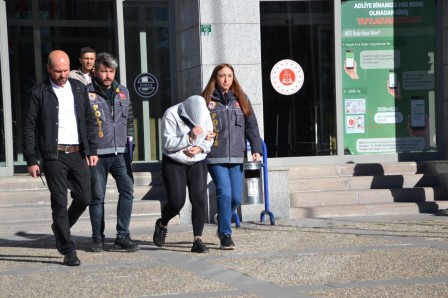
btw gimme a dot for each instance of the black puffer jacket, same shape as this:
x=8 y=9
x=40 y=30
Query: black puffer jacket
x=232 y=128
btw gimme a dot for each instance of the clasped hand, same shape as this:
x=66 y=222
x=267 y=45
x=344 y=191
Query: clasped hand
x=192 y=151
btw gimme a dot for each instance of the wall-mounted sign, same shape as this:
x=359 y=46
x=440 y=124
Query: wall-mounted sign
x=389 y=66
x=146 y=85
x=287 y=77
x=206 y=29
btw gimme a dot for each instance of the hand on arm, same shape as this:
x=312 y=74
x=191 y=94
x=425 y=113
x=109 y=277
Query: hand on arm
x=195 y=132
x=192 y=151
x=210 y=136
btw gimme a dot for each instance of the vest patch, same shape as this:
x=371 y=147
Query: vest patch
x=92 y=96
x=212 y=105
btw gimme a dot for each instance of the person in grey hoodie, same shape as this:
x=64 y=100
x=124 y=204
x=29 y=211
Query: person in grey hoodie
x=187 y=138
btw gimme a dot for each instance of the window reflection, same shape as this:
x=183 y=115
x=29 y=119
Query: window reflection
x=302 y=124
x=146 y=26
x=61 y=10
x=90 y=24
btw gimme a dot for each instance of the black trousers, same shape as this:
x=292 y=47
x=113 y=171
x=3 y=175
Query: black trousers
x=70 y=170
x=177 y=177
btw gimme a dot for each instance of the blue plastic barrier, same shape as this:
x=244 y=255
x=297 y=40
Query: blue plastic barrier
x=264 y=165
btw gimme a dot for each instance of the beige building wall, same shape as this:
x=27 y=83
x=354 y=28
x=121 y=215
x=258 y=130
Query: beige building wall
x=235 y=39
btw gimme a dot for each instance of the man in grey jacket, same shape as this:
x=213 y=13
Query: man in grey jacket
x=85 y=73
x=112 y=107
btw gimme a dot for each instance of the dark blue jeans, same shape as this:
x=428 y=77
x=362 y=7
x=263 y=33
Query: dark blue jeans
x=70 y=170
x=116 y=166
x=228 y=179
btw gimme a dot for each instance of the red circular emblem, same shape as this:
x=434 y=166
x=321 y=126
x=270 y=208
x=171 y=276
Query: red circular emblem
x=287 y=77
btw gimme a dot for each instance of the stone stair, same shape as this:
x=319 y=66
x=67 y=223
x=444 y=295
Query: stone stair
x=25 y=203
x=366 y=189
x=315 y=191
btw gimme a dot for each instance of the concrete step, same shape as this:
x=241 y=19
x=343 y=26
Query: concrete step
x=367 y=196
x=33 y=212
x=42 y=196
x=362 y=182
x=343 y=210
x=25 y=182
x=145 y=222
x=352 y=169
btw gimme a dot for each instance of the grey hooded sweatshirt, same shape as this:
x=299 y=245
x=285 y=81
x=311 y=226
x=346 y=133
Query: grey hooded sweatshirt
x=177 y=123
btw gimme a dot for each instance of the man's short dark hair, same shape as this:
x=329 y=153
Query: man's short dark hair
x=86 y=50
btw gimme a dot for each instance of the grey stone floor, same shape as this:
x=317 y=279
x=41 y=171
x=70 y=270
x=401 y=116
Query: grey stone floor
x=382 y=256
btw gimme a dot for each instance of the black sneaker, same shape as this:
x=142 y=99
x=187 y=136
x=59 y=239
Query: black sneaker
x=159 y=234
x=442 y=212
x=126 y=243
x=97 y=244
x=58 y=242
x=71 y=259
x=227 y=243
x=199 y=246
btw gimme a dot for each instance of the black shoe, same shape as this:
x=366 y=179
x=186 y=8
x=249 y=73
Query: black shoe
x=58 y=242
x=126 y=243
x=159 y=234
x=199 y=246
x=442 y=212
x=97 y=244
x=227 y=243
x=71 y=259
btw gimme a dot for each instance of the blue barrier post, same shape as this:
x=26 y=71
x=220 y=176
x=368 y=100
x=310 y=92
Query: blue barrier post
x=235 y=216
x=266 y=187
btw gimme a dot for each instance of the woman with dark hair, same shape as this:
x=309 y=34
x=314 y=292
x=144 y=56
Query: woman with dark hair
x=234 y=121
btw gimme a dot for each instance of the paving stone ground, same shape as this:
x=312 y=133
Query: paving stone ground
x=382 y=256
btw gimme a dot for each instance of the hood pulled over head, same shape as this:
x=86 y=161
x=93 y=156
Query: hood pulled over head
x=195 y=110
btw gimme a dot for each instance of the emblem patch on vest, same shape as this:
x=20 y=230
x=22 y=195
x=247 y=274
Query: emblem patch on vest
x=92 y=96
x=212 y=105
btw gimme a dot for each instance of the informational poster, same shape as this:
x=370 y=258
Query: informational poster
x=389 y=84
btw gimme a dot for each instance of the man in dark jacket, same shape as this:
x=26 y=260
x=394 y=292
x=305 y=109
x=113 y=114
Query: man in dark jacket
x=57 y=114
x=112 y=106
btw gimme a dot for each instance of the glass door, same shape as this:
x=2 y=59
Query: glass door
x=304 y=123
x=147 y=36
x=6 y=159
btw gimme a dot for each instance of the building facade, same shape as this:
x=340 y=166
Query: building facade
x=330 y=81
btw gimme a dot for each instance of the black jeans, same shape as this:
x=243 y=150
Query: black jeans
x=177 y=177
x=70 y=170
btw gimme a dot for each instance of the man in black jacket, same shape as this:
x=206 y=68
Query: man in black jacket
x=58 y=116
